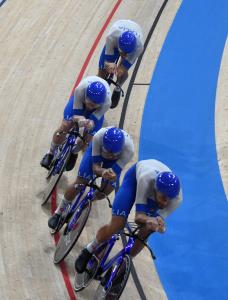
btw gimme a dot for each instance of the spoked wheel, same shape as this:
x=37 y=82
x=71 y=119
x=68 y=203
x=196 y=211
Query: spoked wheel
x=113 y=290
x=70 y=236
x=82 y=280
x=53 y=180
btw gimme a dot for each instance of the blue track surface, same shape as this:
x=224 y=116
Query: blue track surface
x=178 y=128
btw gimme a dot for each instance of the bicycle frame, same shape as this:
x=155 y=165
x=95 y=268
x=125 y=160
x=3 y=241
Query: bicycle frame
x=119 y=256
x=69 y=143
x=78 y=207
x=117 y=259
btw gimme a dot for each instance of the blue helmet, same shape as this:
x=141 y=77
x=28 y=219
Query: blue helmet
x=168 y=184
x=113 y=140
x=127 y=41
x=96 y=92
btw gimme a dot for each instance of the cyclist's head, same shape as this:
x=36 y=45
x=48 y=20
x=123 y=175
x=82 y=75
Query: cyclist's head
x=113 y=140
x=127 y=42
x=168 y=184
x=167 y=187
x=96 y=93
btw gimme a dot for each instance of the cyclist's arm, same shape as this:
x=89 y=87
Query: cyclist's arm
x=98 y=170
x=125 y=157
x=111 y=43
x=98 y=116
x=131 y=58
x=96 y=152
x=99 y=112
x=79 y=95
x=152 y=223
x=141 y=218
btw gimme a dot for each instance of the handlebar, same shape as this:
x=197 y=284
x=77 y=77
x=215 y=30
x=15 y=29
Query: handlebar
x=111 y=81
x=74 y=131
x=132 y=233
x=93 y=185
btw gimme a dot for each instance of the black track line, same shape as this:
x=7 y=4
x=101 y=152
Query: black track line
x=2 y=2
x=121 y=124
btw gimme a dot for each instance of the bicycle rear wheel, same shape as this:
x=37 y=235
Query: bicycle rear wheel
x=115 y=289
x=53 y=180
x=82 y=280
x=69 y=238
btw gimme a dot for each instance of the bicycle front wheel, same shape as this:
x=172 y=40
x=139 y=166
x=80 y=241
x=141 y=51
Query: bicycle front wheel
x=113 y=290
x=53 y=181
x=69 y=238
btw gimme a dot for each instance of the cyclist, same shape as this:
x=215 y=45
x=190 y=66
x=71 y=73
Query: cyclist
x=125 y=40
x=111 y=149
x=156 y=192
x=87 y=106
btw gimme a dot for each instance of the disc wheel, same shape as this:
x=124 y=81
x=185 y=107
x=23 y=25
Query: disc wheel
x=113 y=290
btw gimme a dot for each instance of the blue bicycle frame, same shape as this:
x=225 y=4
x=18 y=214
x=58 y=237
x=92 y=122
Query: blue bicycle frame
x=76 y=206
x=61 y=153
x=117 y=259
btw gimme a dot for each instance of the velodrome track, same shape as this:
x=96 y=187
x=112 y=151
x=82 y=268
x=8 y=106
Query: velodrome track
x=44 y=46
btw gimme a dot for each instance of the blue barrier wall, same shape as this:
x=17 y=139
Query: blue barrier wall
x=178 y=128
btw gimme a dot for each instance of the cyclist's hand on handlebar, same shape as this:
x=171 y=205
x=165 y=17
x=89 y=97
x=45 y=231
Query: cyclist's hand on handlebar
x=88 y=124
x=156 y=224
x=110 y=68
x=78 y=119
x=161 y=224
x=120 y=71
x=109 y=174
x=83 y=122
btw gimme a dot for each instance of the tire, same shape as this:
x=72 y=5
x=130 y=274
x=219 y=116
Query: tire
x=115 y=290
x=50 y=171
x=53 y=180
x=68 y=239
x=82 y=280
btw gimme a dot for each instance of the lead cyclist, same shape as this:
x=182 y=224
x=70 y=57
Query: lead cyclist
x=124 y=41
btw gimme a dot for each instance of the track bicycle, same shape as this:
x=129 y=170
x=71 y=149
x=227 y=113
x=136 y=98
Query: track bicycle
x=76 y=216
x=112 y=273
x=60 y=161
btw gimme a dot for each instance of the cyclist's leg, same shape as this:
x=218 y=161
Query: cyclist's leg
x=122 y=71
x=122 y=75
x=84 y=175
x=138 y=246
x=120 y=208
x=104 y=233
x=107 y=189
x=67 y=198
x=66 y=125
